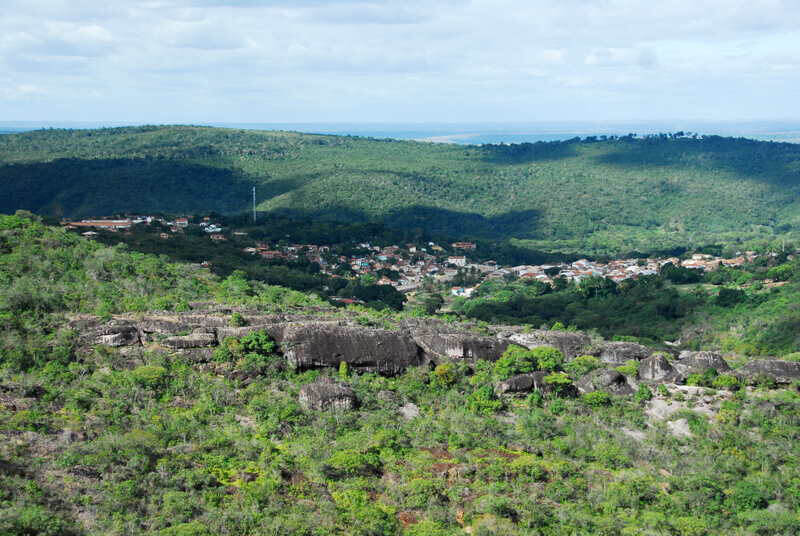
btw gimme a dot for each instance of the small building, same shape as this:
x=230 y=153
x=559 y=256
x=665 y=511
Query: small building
x=463 y=245
x=218 y=237
x=457 y=260
x=182 y=222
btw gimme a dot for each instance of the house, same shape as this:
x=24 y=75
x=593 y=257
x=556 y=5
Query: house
x=461 y=291
x=463 y=245
x=164 y=236
x=218 y=237
x=457 y=260
x=182 y=222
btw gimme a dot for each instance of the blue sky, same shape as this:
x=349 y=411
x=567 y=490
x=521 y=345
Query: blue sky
x=170 y=61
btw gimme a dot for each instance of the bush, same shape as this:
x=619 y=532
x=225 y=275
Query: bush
x=643 y=394
x=350 y=462
x=582 y=365
x=726 y=381
x=444 y=375
x=483 y=401
x=596 y=399
x=150 y=376
x=518 y=360
x=560 y=383
x=237 y=320
x=706 y=379
x=630 y=368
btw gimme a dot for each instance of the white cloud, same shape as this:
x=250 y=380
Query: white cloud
x=412 y=60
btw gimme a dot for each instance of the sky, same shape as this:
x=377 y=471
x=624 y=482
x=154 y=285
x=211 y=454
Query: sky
x=205 y=61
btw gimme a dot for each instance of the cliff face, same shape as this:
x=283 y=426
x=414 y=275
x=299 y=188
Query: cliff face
x=326 y=339
x=315 y=341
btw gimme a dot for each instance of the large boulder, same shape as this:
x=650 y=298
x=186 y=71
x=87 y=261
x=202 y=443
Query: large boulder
x=569 y=343
x=315 y=345
x=780 y=371
x=617 y=353
x=656 y=369
x=699 y=362
x=438 y=346
x=327 y=394
x=608 y=380
x=523 y=383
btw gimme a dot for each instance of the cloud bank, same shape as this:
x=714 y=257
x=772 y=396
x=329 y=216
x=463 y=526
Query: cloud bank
x=388 y=60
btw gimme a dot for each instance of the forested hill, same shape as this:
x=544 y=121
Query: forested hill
x=593 y=194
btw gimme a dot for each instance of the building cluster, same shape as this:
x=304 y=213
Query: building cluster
x=407 y=267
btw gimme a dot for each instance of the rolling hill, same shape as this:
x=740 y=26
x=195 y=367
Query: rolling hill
x=593 y=195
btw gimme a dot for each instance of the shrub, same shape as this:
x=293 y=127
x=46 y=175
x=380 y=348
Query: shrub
x=150 y=376
x=444 y=375
x=237 y=320
x=350 y=462
x=706 y=379
x=518 y=360
x=483 y=401
x=582 y=365
x=643 y=394
x=630 y=368
x=596 y=399
x=560 y=383
x=726 y=381
x=515 y=360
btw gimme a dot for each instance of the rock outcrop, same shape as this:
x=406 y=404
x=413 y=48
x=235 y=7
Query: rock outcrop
x=327 y=394
x=617 y=353
x=315 y=345
x=656 y=369
x=699 y=362
x=783 y=372
x=438 y=346
x=569 y=343
x=523 y=383
x=608 y=380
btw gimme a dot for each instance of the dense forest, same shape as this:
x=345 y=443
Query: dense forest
x=586 y=196
x=94 y=440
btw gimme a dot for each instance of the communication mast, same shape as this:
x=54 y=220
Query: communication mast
x=254 y=204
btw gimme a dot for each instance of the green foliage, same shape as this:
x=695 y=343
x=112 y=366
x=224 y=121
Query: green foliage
x=726 y=381
x=444 y=375
x=519 y=360
x=483 y=401
x=351 y=462
x=596 y=399
x=706 y=379
x=630 y=368
x=644 y=394
x=559 y=382
x=151 y=376
x=582 y=365
x=237 y=320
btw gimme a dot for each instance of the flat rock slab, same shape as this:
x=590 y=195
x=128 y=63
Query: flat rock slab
x=783 y=372
x=617 y=353
x=438 y=346
x=569 y=343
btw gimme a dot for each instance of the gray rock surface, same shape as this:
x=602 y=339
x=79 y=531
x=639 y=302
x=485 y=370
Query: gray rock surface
x=442 y=346
x=569 y=343
x=409 y=411
x=523 y=383
x=195 y=340
x=617 y=353
x=781 y=371
x=314 y=345
x=608 y=380
x=327 y=394
x=656 y=369
x=699 y=362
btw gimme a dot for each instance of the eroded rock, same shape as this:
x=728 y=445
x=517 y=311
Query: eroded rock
x=656 y=369
x=523 y=383
x=699 y=362
x=438 y=346
x=617 y=353
x=313 y=345
x=607 y=380
x=327 y=394
x=569 y=343
x=783 y=372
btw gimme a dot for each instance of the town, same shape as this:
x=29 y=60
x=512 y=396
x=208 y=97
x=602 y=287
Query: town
x=457 y=266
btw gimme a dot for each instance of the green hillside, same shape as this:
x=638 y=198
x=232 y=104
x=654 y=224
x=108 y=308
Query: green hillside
x=581 y=195
x=103 y=439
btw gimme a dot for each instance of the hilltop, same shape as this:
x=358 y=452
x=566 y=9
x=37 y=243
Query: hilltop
x=591 y=196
